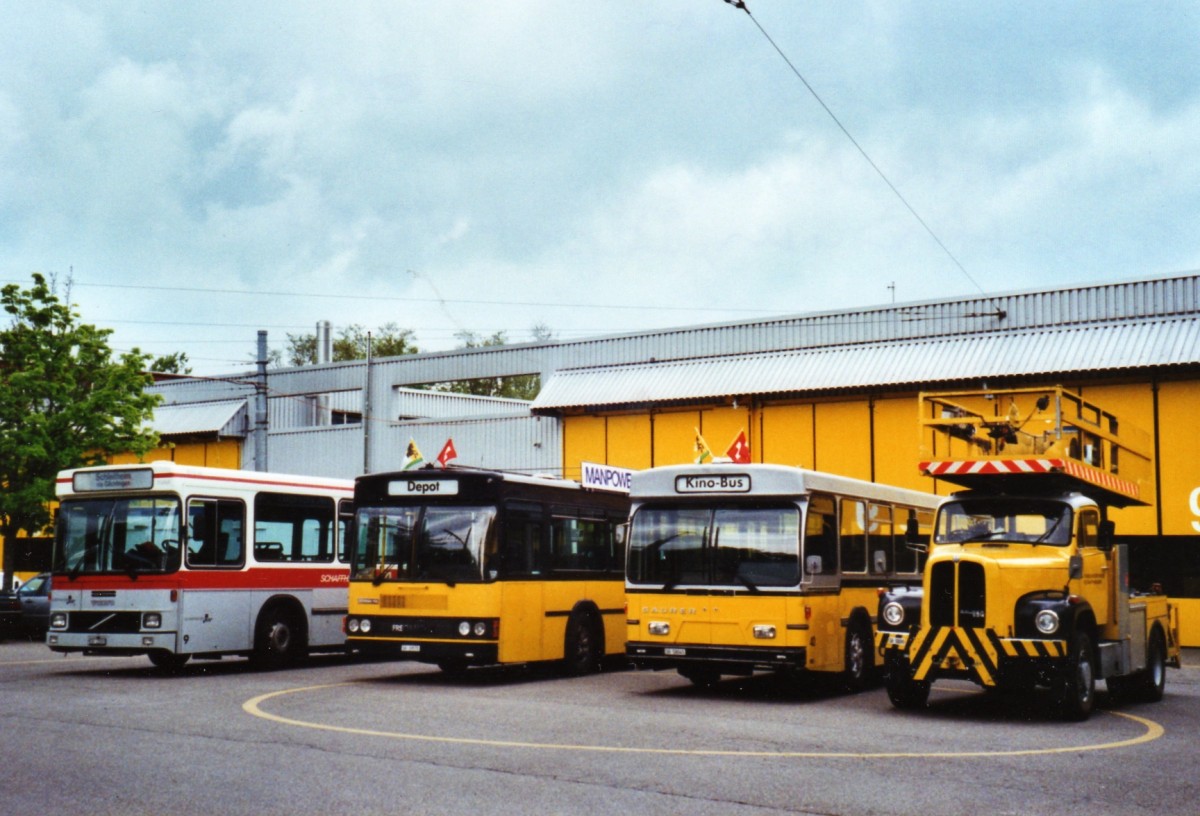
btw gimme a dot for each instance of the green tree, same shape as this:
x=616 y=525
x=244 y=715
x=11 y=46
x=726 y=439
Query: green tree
x=64 y=402
x=176 y=363
x=517 y=386
x=351 y=344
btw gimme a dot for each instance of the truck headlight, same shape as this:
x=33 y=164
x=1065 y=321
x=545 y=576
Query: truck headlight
x=1046 y=621
x=352 y=626
x=893 y=614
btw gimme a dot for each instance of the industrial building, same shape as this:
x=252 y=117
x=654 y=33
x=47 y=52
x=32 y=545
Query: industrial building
x=835 y=391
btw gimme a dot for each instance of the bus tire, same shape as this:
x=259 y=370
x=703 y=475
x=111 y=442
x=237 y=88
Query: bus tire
x=582 y=647
x=704 y=678
x=168 y=661
x=279 y=638
x=1077 y=686
x=858 y=668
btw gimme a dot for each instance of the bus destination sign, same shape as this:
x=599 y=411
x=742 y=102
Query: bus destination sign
x=97 y=480
x=713 y=483
x=416 y=486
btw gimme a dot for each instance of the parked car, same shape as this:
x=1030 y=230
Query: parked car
x=34 y=596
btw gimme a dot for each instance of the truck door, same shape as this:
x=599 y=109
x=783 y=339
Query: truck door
x=1094 y=585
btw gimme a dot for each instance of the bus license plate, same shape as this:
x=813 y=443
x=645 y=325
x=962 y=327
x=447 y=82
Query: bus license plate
x=410 y=647
x=669 y=652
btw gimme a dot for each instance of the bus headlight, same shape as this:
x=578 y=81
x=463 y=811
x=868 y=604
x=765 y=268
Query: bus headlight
x=659 y=628
x=364 y=625
x=58 y=620
x=352 y=626
x=764 y=631
x=464 y=628
x=1046 y=621
x=152 y=620
x=893 y=614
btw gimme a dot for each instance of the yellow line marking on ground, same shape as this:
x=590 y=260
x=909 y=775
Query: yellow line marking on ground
x=254 y=708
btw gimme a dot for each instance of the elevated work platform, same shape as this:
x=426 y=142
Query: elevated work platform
x=1041 y=439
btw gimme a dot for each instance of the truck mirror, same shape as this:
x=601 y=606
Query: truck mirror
x=1106 y=534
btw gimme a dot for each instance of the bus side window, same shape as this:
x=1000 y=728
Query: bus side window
x=302 y=527
x=522 y=550
x=909 y=560
x=853 y=536
x=820 y=537
x=879 y=539
x=215 y=533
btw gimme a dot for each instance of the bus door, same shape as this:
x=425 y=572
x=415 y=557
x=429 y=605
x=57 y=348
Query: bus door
x=525 y=562
x=214 y=616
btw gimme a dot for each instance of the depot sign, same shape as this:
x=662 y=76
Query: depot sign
x=606 y=477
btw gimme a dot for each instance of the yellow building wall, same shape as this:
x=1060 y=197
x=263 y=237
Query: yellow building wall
x=629 y=441
x=675 y=437
x=1179 y=457
x=843 y=438
x=897 y=444
x=584 y=439
x=1133 y=405
x=786 y=436
x=220 y=454
x=720 y=426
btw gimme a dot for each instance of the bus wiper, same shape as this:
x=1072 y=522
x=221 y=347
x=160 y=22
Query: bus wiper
x=743 y=579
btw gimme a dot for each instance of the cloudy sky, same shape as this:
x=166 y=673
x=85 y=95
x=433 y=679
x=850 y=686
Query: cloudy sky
x=200 y=171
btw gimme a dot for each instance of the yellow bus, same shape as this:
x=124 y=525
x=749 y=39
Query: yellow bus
x=466 y=567
x=733 y=569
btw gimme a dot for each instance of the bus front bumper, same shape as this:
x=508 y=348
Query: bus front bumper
x=128 y=643
x=726 y=659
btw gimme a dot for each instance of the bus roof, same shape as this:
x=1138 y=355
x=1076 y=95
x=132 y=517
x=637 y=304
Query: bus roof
x=732 y=481
x=147 y=476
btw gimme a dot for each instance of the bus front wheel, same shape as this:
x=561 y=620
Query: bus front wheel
x=169 y=661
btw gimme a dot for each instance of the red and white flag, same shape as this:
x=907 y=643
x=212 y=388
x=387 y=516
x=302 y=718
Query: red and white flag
x=448 y=453
x=739 y=450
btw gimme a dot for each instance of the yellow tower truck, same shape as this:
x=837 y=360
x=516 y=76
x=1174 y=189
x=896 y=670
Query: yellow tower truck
x=1024 y=584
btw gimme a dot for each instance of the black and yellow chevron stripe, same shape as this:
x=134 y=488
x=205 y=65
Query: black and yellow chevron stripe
x=981 y=653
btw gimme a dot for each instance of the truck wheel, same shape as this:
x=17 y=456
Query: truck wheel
x=1077 y=687
x=1153 y=680
x=904 y=692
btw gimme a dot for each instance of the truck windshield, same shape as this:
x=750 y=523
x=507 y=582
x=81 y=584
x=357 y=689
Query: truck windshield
x=130 y=535
x=1004 y=519
x=745 y=546
x=421 y=543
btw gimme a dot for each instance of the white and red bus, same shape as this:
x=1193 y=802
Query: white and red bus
x=176 y=562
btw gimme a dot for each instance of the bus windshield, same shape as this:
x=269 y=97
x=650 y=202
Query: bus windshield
x=421 y=543
x=1004 y=519
x=130 y=535
x=738 y=546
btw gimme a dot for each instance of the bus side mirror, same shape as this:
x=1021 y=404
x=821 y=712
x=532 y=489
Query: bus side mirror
x=812 y=565
x=622 y=531
x=1106 y=535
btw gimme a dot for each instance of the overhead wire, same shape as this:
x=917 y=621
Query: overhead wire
x=740 y=4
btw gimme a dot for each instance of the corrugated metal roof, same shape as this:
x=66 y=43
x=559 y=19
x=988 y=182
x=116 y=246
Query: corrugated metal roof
x=1049 y=352
x=225 y=418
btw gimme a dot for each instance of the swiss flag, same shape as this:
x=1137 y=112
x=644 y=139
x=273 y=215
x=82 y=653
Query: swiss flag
x=448 y=453
x=739 y=451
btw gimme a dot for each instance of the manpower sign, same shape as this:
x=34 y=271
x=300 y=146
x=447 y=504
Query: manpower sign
x=605 y=477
